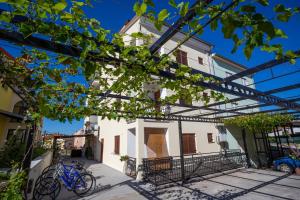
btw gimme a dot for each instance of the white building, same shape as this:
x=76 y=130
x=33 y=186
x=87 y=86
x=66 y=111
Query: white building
x=150 y=138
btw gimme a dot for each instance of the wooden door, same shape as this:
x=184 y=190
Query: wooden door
x=101 y=150
x=189 y=144
x=155 y=141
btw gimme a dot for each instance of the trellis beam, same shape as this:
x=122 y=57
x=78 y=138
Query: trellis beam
x=230 y=88
x=177 y=26
x=259 y=68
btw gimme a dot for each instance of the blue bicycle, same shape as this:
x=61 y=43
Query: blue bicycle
x=78 y=181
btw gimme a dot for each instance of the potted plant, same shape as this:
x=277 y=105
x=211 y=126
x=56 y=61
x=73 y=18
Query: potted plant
x=124 y=158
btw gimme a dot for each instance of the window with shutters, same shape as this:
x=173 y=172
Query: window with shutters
x=200 y=60
x=117 y=145
x=189 y=144
x=181 y=57
x=210 y=138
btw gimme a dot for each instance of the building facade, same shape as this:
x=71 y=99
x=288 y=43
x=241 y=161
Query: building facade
x=10 y=103
x=143 y=138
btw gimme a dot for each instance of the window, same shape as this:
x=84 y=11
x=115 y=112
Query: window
x=210 y=138
x=200 y=60
x=19 y=136
x=117 y=145
x=20 y=109
x=189 y=144
x=156 y=98
x=132 y=42
x=181 y=57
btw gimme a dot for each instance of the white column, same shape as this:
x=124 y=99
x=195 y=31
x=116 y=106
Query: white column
x=139 y=145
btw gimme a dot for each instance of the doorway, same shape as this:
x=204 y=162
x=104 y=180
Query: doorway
x=155 y=142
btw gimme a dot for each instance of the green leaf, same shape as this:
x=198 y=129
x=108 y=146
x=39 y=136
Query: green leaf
x=5 y=17
x=248 y=51
x=268 y=28
x=228 y=26
x=149 y=2
x=263 y=2
x=269 y=48
x=279 y=8
x=172 y=3
x=162 y=15
x=280 y=33
x=143 y=8
x=284 y=17
x=214 y=25
x=184 y=9
x=60 y=6
x=78 y=3
x=140 y=9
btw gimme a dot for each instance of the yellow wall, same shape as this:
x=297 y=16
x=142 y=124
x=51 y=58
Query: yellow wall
x=6 y=99
x=5 y=104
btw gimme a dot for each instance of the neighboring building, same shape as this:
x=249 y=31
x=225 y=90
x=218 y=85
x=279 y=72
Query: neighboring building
x=224 y=67
x=151 y=138
x=79 y=142
x=10 y=103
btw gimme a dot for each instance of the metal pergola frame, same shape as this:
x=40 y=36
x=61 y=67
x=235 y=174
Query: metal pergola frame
x=224 y=85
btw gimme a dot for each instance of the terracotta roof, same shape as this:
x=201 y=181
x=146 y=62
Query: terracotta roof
x=13 y=58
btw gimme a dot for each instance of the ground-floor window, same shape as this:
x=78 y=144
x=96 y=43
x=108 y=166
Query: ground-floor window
x=189 y=144
x=117 y=144
x=20 y=135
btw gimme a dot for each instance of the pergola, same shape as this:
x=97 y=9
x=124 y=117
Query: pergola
x=224 y=85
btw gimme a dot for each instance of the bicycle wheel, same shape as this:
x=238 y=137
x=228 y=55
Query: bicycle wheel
x=84 y=184
x=48 y=186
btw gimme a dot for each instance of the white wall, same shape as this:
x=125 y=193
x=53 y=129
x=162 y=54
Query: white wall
x=108 y=130
x=36 y=167
x=131 y=148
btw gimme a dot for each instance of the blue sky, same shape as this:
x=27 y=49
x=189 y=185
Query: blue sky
x=114 y=13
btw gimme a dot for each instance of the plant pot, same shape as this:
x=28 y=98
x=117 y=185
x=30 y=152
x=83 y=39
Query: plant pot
x=297 y=171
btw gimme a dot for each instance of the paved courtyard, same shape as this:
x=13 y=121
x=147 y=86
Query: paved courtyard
x=237 y=184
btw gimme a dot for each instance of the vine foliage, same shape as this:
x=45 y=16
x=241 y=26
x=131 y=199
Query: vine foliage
x=261 y=122
x=58 y=86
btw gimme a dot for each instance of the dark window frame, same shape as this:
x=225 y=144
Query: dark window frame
x=200 y=60
x=210 y=138
x=181 y=57
x=117 y=145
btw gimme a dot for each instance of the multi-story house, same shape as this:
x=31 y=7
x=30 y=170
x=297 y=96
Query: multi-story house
x=10 y=104
x=143 y=138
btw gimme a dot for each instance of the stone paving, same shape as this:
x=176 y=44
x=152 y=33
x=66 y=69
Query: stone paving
x=236 y=184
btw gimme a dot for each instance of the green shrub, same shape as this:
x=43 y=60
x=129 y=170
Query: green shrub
x=38 y=151
x=15 y=185
x=13 y=152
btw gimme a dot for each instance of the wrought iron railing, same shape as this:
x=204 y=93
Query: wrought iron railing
x=159 y=171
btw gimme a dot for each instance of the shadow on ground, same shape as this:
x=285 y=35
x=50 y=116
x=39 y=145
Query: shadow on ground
x=236 y=184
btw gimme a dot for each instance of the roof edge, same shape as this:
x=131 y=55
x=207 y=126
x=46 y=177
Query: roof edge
x=231 y=62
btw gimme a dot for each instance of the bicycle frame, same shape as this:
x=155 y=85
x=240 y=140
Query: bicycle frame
x=68 y=175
